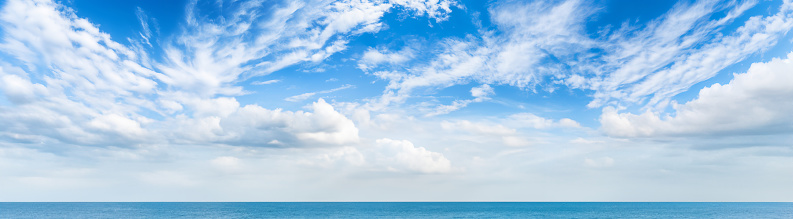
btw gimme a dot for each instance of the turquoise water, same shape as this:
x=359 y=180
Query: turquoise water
x=393 y=210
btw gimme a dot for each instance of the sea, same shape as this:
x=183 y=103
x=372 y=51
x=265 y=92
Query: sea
x=395 y=210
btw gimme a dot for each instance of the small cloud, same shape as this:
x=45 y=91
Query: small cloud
x=404 y=156
x=305 y=96
x=265 y=82
x=568 y=123
x=483 y=91
x=373 y=57
x=300 y=97
x=480 y=94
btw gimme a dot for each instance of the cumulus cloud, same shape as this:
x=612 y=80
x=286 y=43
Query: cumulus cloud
x=253 y=125
x=482 y=92
x=118 y=125
x=755 y=102
x=404 y=156
x=19 y=90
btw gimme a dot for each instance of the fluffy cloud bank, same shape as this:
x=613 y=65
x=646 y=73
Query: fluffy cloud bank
x=254 y=125
x=757 y=102
x=385 y=155
x=404 y=156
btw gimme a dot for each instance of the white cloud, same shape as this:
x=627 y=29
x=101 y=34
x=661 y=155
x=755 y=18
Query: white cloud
x=537 y=122
x=253 y=125
x=480 y=94
x=77 y=86
x=118 y=125
x=248 y=39
x=372 y=57
x=484 y=132
x=682 y=49
x=483 y=91
x=568 y=123
x=755 y=102
x=73 y=85
x=265 y=82
x=547 y=42
x=531 y=33
x=221 y=106
x=19 y=90
x=446 y=109
x=302 y=97
x=88 y=89
x=515 y=141
x=146 y=34
x=404 y=156
x=437 y=9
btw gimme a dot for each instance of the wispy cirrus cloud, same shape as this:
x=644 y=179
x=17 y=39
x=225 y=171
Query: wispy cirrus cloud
x=98 y=92
x=516 y=53
x=305 y=96
x=682 y=49
x=543 y=45
x=265 y=82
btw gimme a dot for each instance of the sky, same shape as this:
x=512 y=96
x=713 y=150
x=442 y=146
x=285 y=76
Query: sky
x=396 y=100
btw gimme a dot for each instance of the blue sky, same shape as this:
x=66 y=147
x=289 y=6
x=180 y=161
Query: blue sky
x=402 y=100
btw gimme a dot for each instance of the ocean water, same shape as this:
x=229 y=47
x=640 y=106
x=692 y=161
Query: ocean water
x=394 y=210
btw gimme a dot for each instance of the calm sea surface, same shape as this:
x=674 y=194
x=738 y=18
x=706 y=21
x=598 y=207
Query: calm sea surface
x=393 y=210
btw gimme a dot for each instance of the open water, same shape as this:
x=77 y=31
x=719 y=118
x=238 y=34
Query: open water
x=394 y=210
